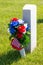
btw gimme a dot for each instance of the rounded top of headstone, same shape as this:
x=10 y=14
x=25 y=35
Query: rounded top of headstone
x=29 y=6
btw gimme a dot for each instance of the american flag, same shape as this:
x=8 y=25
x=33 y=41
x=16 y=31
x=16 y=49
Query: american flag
x=15 y=43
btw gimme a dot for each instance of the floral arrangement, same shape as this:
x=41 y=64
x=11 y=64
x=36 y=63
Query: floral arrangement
x=20 y=32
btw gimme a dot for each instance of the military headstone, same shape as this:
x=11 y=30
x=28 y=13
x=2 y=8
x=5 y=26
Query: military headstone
x=29 y=16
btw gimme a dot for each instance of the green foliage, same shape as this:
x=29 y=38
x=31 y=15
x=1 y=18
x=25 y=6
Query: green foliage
x=25 y=40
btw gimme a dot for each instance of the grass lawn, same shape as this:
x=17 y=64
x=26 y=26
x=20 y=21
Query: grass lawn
x=9 y=56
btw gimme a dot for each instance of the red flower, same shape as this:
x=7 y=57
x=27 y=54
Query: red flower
x=19 y=35
x=14 y=19
x=21 y=29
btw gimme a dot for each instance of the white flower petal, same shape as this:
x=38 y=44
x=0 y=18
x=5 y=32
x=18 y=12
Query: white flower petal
x=25 y=25
x=20 y=21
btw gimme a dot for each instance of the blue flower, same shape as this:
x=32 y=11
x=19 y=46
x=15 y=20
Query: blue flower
x=12 y=26
x=28 y=28
x=14 y=23
x=12 y=30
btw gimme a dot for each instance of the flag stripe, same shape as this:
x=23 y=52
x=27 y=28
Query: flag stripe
x=16 y=43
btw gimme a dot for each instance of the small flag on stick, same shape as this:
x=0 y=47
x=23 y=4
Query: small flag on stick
x=16 y=44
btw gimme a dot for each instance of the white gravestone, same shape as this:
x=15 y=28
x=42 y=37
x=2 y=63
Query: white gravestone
x=29 y=16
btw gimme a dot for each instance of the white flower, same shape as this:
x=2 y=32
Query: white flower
x=21 y=21
x=25 y=24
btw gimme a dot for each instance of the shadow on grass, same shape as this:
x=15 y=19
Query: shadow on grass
x=9 y=58
x=40 y=21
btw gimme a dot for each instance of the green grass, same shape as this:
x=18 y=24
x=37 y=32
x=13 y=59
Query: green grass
x=9 y=56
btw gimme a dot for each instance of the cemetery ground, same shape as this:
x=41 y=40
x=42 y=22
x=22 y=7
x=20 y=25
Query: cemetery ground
x=9 y=56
